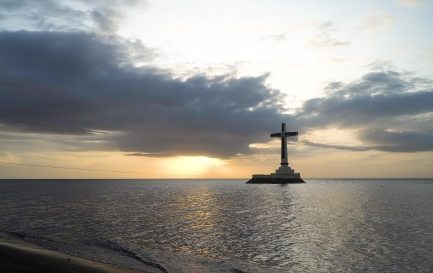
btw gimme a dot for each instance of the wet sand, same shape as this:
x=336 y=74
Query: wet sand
x=22 y=257
x=9 y=265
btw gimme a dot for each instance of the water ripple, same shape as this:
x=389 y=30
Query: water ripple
x=323 y=226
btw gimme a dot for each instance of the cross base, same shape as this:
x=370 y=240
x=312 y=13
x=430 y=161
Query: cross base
x=284 y=170
x=272 y=180
x=283 y=175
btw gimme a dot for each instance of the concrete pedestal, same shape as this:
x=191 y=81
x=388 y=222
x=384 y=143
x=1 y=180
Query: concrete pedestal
x=283 y=175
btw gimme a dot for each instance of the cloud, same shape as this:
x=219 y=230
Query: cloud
x=325 y=37
x=338 y=147
x=381 y=65
x=87 y=88
x=392 y=111
x=400 y=141
x=377 y=20
x=274 y=38
x=86 y=84
x=97 y=15
x=409 y=3
x=324 y=42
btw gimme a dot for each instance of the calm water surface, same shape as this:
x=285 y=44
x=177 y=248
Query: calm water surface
x=223 y=225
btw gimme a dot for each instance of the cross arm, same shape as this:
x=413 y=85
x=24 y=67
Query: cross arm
x=287 y=134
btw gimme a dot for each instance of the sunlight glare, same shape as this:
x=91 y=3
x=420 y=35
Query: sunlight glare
x=192 y=165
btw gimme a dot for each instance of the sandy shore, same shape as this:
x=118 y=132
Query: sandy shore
x=21 y=257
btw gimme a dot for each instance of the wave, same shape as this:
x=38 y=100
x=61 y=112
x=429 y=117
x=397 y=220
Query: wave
x=117 y=254
x=116 y=247
x=69 y=249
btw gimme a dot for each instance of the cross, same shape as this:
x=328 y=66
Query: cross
x=283 y=135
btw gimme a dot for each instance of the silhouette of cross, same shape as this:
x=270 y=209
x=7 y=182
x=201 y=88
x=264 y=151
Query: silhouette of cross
x=283 y=135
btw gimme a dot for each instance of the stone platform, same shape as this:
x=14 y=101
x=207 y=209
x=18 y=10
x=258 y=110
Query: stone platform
x=283 y=175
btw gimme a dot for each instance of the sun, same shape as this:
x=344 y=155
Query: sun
x=192 y=165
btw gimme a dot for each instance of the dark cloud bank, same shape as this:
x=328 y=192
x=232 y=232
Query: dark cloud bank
x=96 y=15
x=77 y=83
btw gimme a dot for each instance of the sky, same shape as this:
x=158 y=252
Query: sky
x=192 y=89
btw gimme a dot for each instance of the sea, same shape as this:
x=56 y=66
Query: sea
x=325 y=225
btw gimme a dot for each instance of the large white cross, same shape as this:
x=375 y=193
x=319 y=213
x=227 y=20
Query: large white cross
x=283 y=135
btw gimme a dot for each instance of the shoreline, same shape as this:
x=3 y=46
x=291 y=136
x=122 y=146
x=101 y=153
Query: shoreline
x=19 y=256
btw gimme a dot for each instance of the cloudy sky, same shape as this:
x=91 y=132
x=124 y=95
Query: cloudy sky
x=175 y=89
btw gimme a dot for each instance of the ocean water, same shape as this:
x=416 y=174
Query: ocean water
x=227 y=226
